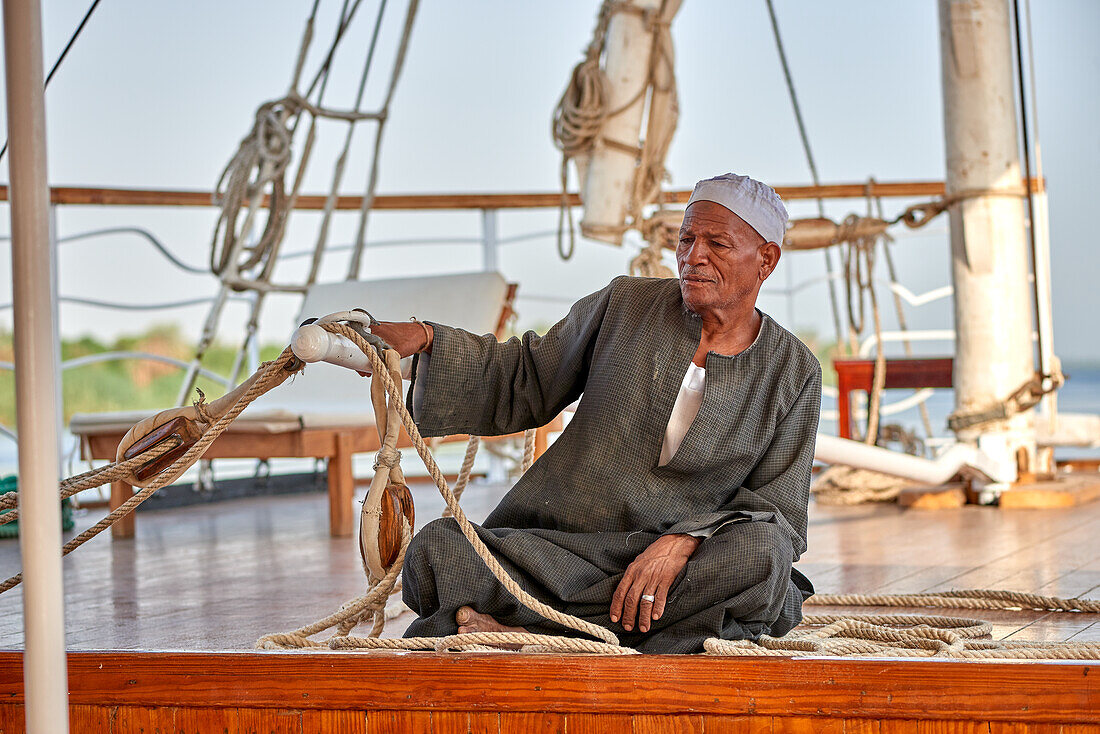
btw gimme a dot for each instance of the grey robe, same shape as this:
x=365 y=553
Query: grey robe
x=572 y=524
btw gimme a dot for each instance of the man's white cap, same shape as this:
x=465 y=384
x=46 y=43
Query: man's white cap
x=755 y=202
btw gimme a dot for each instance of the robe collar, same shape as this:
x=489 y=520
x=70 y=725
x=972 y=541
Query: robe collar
x=725 y=372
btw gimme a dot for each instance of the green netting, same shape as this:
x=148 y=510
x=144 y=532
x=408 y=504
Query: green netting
x=10 y=483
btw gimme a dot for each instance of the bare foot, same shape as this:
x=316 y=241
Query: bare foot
x=470 y=620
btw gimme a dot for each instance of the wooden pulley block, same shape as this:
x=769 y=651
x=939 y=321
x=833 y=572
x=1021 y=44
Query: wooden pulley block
x=186 y=425
x=380 y=528
x=177 y=424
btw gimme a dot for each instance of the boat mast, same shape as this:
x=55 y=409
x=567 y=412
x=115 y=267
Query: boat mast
x=607 y=177
x=36 y=374
x=989 y=253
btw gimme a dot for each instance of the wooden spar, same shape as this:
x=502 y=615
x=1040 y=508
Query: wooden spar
x=813 y=234
x=101 y=196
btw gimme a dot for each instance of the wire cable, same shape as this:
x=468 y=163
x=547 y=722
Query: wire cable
x=809 y=160
x=64 y=53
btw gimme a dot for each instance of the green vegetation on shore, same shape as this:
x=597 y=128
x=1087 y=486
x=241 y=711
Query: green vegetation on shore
x=128 y=384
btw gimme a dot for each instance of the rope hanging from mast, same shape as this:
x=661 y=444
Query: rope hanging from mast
x=583 y=111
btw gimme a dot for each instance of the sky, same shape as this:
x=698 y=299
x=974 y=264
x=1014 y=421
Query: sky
x=158 y=95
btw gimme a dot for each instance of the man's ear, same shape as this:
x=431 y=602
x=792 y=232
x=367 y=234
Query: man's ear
x=769 y=258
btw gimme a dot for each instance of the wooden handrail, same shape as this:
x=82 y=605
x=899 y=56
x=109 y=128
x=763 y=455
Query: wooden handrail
x=79 y=196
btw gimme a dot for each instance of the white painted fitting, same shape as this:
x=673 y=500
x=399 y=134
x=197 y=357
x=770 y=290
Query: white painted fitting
x=833 y=450
x=311 y=343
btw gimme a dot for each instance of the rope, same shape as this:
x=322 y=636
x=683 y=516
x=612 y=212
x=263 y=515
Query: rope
x=349 y=617
x=267 y=374
x=465 y=470
x=484 y=642
x=578 y=118
x=919 y=215
x=1023 y=398
x=905 y=635
x=804 y=136
x=877 y=635
x=846 y=485
x=859 y=265
x=582 y=111
x=459 y=515
x=528 y=450
x=660 y=231
x=962 y=599
x=900 y=636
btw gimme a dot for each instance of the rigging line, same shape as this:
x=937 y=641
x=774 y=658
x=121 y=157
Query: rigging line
x=354 y=266
x=340 y=30
x=1034 y=92
x=322 y=77
x=324 y=74
x=794 y=103
x=64 y=53
x=341 y=161
x=809 y=160
x=1044 y=368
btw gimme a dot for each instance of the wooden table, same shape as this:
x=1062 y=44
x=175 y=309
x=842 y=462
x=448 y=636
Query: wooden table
x=337 y=445
x=859 y=374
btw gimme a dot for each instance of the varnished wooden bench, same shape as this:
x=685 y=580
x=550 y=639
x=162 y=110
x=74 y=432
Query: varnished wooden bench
x=337 y=445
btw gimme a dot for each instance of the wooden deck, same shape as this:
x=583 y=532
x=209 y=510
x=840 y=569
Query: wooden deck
x=215 y=577
x=218 y=576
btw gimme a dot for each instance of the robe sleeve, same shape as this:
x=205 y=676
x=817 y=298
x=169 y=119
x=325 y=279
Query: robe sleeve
x=475 y=384
x=778 y=488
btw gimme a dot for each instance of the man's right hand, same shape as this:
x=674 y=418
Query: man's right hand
x=406 y=337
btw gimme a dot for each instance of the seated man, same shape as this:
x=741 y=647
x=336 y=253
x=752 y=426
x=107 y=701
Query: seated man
x=673 y=505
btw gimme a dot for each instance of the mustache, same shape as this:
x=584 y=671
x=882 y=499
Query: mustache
x=698 y=272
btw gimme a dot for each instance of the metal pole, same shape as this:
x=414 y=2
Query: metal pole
x=489 y=261
x=44 y=667
x=989 y=252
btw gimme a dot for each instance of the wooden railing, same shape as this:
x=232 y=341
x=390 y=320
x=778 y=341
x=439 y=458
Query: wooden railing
x=74 y=195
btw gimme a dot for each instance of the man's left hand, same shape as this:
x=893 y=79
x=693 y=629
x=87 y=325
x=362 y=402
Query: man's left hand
x=651 y=574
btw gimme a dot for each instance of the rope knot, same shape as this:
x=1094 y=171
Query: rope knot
x=387 y=457
x=204 y=415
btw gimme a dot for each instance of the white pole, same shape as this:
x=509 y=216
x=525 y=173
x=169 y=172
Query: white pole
x=44 y=669
x=989 y=252
x=609 y=175
x=489 y=242
x=1041 y=223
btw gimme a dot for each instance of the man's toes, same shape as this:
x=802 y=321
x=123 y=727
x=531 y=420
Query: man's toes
x=465 y=615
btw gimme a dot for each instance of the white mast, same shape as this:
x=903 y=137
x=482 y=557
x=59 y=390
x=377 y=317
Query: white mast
x=36 y=377
x=989 y=252
x=607 y=178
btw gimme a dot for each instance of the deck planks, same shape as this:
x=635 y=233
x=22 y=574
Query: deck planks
x=218 y=576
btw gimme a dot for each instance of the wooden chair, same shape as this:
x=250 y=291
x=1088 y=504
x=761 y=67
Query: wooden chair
x=325 y=413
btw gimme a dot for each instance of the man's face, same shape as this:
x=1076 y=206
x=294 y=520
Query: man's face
x=721 y=259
